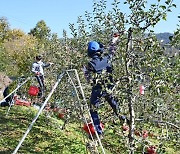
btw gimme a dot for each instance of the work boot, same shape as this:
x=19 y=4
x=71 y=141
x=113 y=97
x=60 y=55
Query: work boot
x=122 y=118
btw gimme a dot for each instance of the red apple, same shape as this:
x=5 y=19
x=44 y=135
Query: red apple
x=151 y=150
x=144 y=134
x=61 y=115
x=137 y=133
x=115 y=34
x=125 y=127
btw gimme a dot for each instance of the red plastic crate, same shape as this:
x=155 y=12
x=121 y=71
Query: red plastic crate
x=33 y=91
x=91 y=128
x=22 y=103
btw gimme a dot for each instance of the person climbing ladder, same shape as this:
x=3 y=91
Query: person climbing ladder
x=99 y=73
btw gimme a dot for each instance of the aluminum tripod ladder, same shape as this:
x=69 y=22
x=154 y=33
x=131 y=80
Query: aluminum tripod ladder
x=75 y=81
x=39 y=112
x=83 y=105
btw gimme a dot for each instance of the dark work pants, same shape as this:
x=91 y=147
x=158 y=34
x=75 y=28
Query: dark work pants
x=95 y=100
x=40 y=80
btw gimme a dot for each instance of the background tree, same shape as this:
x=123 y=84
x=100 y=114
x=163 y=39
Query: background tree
x=4 y=29
x=4 y=32
x=43 y=34
x=41 y=31
x=19 y=52
x=175 y=41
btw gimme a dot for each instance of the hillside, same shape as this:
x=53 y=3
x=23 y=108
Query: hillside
x=47 y=136
x=164 y=36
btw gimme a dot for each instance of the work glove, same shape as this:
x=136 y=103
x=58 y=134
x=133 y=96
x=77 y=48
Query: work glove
x=115 y=38
x=37 y=73
x=51 y=63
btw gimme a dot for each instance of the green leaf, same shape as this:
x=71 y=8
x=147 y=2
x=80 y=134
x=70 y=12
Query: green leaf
x=162 y=7
x=174 y=5
x=164 y=17
x=168 y=2
x=169 y=10
x=153 y=5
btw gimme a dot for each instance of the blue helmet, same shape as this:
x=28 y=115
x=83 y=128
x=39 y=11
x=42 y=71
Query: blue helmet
x=94 y=47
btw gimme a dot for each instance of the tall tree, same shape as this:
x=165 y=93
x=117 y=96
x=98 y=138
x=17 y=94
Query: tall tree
x=43 y=34
x=138 y=48
x=41 y=31
x=4 y=29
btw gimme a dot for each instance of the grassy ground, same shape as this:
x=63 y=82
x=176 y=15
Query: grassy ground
x=47 y=136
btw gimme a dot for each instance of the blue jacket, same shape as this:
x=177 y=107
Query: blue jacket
x=98 y=64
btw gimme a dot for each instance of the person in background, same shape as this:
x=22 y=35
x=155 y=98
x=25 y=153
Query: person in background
x=99 y=73
x=8 y=100
x=38 y=70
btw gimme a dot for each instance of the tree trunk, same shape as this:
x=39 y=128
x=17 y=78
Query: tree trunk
x=129 y=93
x=131 y=121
